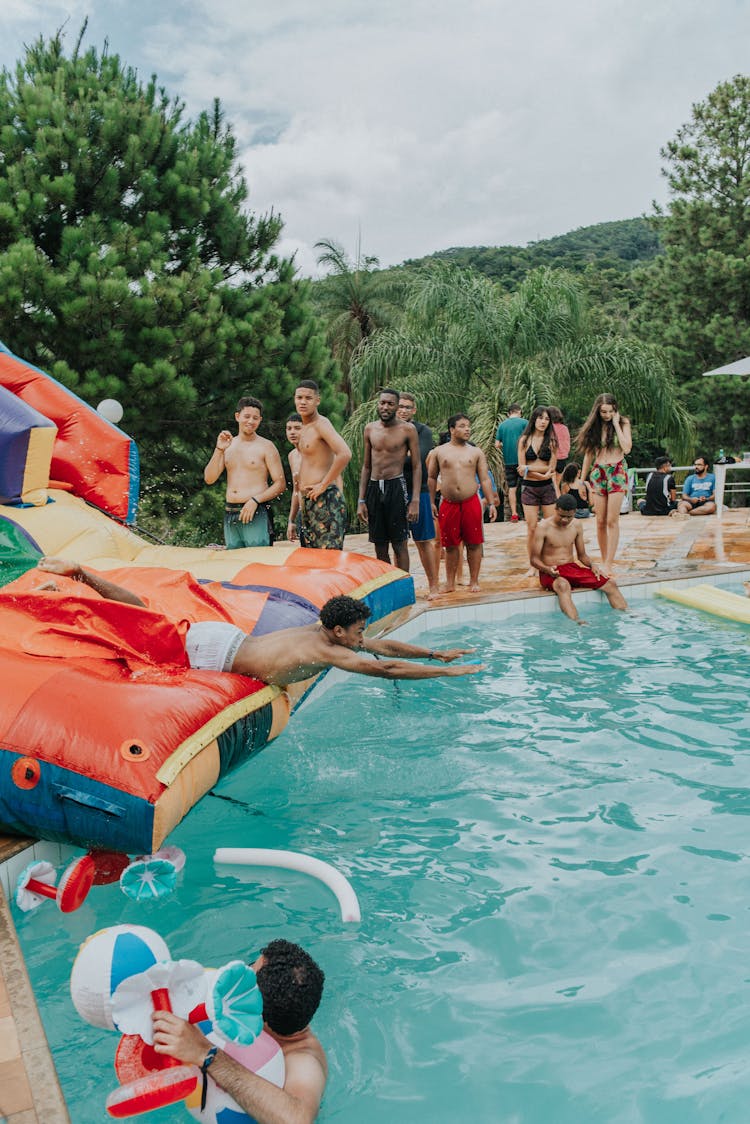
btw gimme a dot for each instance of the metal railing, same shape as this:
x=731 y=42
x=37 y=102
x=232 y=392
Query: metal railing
x=735 y=486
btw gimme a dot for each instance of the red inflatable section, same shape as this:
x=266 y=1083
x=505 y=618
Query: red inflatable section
x=75 y=622
x=94 y=459
x=314 y=574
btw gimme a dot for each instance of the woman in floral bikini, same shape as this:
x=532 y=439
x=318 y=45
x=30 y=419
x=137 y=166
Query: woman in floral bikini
x=605 y=440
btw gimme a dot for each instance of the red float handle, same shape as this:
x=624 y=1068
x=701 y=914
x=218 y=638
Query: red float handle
x=42 y=888
x=161 y=1001
x=167 y=1086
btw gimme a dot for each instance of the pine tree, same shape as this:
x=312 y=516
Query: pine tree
x=130 y=265
x=697 y=294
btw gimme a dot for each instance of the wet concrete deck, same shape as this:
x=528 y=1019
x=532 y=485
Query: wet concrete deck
x=650 y=548
x=653 y=548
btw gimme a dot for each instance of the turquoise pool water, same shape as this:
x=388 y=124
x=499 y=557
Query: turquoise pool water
x=552 y=864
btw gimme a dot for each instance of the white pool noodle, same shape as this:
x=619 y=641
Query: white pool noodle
x=305 y=864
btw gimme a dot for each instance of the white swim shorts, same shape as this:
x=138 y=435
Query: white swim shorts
x=212 y=645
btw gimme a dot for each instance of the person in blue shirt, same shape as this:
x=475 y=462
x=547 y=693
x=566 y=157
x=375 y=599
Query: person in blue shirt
x=507 y=438
x=698 y=490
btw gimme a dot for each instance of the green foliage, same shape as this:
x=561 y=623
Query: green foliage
x=607 y=245
x=131 y=268
x=465 y=344
x=696 y=297
x=354 y=300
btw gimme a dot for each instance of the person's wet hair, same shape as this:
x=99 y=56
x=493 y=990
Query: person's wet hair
x=247 y=401
x=293 y=418
x=455 y=419
x=566 y=503
x=291 y=984
x=391 y=393
x=343 y=611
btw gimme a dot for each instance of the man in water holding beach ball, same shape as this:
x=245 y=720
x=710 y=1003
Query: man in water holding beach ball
x=291 y=984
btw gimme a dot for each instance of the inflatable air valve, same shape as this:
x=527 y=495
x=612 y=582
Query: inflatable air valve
x=37 y=882
x=165 y=1086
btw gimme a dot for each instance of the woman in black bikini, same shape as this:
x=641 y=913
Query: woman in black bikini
x=537 y=458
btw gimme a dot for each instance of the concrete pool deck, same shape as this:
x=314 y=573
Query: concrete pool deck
x=650 y=550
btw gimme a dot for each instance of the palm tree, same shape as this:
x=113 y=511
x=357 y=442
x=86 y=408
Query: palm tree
x=354 y=300
x=465 y=345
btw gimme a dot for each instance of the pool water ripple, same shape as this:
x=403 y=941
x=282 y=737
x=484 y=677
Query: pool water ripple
x=551 y=860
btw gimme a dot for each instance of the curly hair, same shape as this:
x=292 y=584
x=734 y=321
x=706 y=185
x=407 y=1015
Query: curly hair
x=291 y=984
x=343 y=611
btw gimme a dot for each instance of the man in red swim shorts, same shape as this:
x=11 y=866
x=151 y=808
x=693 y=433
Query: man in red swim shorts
x=558 y=542
x=459 y=464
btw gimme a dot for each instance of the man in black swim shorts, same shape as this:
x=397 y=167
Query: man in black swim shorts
x=383 y=503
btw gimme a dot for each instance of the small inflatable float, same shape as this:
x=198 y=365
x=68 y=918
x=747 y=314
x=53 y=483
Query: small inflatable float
x=107 y=736
x=710 y=599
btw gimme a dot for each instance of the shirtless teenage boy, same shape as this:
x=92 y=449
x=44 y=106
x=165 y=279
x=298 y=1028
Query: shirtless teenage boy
x=382 y=503
x=293 y=434
x=250 y=461
x=291 y=984
x=323 y=457
x=459 y=464
x=292 y=654
x=557 y=541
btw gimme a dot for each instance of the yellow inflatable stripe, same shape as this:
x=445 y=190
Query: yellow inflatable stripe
x=36 y=469
x=206 y=734
x=377 y=583
x=719 y=602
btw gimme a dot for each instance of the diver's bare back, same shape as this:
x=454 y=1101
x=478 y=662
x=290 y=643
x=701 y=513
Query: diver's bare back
x=287 y=656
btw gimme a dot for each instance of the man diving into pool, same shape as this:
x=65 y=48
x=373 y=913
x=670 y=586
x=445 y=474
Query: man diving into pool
x=337 y=639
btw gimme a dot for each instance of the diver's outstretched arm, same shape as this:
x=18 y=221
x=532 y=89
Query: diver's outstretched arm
x=74 y=570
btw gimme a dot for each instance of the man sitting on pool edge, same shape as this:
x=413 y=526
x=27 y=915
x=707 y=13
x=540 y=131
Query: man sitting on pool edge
x=557 y=542
x=291 y=984
x=291 y=654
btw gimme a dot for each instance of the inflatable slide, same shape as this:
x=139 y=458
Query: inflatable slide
x=107 y=736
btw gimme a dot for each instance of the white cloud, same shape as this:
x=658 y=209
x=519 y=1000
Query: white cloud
x=426 y=125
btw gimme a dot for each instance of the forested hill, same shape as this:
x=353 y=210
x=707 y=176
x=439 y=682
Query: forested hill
x=619 y=245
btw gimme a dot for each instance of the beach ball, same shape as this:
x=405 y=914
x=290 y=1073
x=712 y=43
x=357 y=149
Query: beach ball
x=264 y=1057
x=104 y=961
x=111 y=410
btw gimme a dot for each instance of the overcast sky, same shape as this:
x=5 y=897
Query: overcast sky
x=425 y=124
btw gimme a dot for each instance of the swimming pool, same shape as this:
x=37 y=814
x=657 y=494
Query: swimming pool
x=552 y=865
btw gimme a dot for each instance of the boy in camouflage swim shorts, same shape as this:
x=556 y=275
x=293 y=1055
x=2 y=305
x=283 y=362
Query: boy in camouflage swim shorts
x=323 y=520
